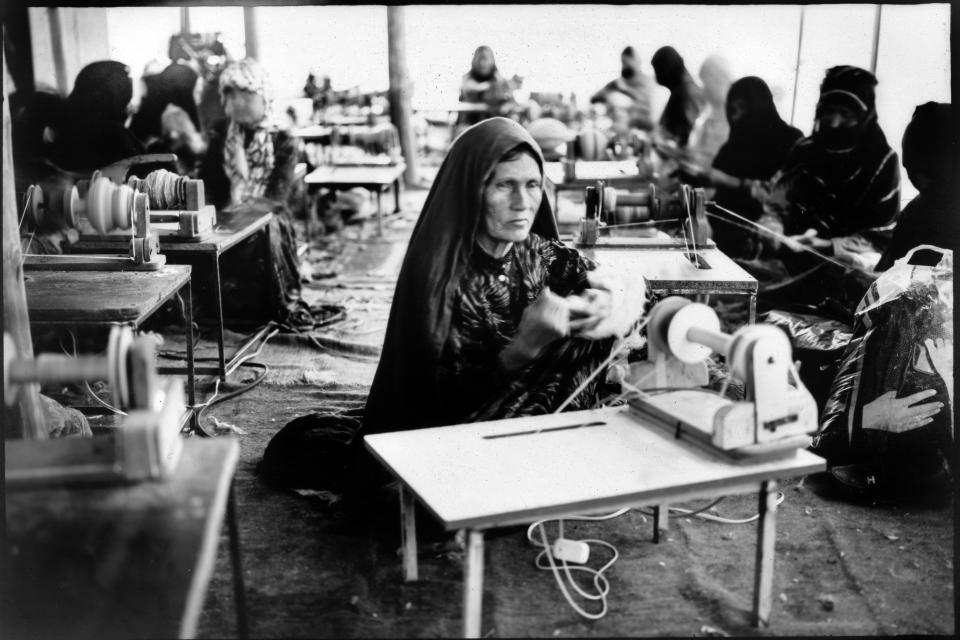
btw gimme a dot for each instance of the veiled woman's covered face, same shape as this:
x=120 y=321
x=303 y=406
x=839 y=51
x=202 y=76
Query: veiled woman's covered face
x=511 y=199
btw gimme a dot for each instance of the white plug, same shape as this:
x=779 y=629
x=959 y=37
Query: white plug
x=571 y=550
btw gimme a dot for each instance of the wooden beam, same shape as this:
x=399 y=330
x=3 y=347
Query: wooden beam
x=27 y=419
x=250 y=32
x=399 y=93
x=875 y=51
x=184 y=20
x=59 y=59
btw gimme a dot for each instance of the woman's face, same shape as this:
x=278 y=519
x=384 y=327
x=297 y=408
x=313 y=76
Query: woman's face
x=483 y=62
x=511 y=199
x=838 y=117
x=244 y=107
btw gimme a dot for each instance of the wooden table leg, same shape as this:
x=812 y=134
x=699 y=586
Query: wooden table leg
x=766 y=539
x=191 y=363
x=239 y=590
x=661 y=521
x=752 y=317
x=408 y=535
x=396 y=193
x=473 y=584
x=379 y=211
x=218 y=300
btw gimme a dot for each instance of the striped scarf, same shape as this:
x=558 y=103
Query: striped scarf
x=247 y=165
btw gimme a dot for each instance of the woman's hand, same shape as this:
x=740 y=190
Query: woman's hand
x=810 y=239
x=897 y=415
x=546 y=320
x=608 y=308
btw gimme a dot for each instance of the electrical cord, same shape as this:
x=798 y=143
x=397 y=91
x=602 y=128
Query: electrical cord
x=600 y=582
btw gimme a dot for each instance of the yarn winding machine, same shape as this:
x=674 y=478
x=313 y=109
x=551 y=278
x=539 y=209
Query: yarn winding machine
x=779 y=413
x=145 y=446
x=649 y=208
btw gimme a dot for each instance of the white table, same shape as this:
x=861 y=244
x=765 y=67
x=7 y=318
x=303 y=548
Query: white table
x=494 y=474
x=670 y=272
x=375 y=178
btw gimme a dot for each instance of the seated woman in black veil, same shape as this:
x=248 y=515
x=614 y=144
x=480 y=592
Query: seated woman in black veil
x=492 y=316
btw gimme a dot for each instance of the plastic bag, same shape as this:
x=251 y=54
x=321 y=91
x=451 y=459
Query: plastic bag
x=812 y=332
x=818 y=344
x=890 y=405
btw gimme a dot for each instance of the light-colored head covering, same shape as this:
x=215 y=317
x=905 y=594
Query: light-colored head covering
x=248 y=165
x=716 y=76
x=247 y=75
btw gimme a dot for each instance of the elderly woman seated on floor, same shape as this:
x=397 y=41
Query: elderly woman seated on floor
x=492 y=316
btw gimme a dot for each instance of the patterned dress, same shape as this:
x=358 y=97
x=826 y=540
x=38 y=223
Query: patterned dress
x=486 y=314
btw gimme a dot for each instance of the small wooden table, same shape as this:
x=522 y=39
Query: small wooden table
x=494 y=474
x=670 y=272
x=129 y=561
x=374 y=178
x=85 y=299
x=233 y=227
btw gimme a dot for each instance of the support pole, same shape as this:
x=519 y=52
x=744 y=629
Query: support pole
x=399 y=93
x=876 y=39
x=185 y=20
x=250 y=32
x=56 y=43
x=796 y=68
x=27 y=418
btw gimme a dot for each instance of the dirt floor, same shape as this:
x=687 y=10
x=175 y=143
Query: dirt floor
x=841 y=568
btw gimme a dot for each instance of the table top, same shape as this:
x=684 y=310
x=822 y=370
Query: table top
x=458 y=107
x=671 y=269
x=312 y=131
x=233 y=226
x=100 y=297
x=122 y=561
x=500 y=473
x=589 y=171
x=355 y=176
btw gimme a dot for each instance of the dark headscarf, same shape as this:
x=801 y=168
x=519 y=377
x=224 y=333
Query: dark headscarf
x=928 y=142
x=686 y=98
x=931 y=217
x=758 y=144
x=102 y=91
x=174 y=85
x=759 y=140
x=402 y=395
x=846 y=184
x=476 y=75
x=92 y=133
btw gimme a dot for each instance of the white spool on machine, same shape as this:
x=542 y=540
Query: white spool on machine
x=145 y=446
x=100 y=207
x=779 y=413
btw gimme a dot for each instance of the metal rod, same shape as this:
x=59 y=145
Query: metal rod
x=796 y=69
x=716 y=340
x=50 y=367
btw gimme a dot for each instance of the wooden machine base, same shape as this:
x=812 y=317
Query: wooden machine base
x=90 y=263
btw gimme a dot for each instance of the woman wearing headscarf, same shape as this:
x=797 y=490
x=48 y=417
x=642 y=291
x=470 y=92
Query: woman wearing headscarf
x=483 y=83
x=758 y=144
x=249 y=164
x=93 y=132
x=711 y=129
x=686 y=98
x=930 y=218
x=635 y=86
x=836 y=187
x=176 y=85
x=492 y=316
x=167 y=120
